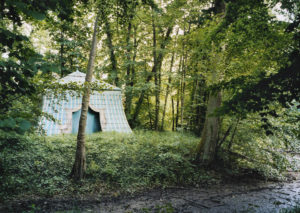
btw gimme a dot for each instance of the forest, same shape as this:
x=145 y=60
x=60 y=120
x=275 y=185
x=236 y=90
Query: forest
x=176 y=106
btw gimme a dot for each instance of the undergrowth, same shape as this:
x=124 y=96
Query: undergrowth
x=39 y=166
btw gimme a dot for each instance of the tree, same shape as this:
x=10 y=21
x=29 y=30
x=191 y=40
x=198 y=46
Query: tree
x=79 y=167
x=241 y=57
x=210 y=132
x=20 y=63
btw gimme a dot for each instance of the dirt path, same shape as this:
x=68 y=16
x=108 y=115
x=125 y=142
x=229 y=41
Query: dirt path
x=244 y=196
x=240 y=197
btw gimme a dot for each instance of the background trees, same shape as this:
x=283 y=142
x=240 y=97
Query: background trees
x=207 y=67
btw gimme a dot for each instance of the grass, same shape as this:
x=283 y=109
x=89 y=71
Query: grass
x=116 y=163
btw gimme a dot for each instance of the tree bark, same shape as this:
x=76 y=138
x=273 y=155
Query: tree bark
x=207 y=146
x=167 y=92
x=62 y=62
x=173 y=114
x=178 y=94
x=233 y=134
x=182 y=93
x=183 y=69
x=177 y=108
x=79 y=166
x=128 y=89
x=155 y=72
x=113 y=75
x=149 y=112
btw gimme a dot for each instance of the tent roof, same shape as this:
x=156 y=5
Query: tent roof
x=79 y=78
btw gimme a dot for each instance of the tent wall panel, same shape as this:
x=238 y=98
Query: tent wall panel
x=106 y=102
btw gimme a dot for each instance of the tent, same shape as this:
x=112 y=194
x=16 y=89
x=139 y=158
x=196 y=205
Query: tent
x=105 y=111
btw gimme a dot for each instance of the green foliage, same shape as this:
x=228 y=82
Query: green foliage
x=259 y=148
x=116 y=163
x=20 y=63
x=120 y=162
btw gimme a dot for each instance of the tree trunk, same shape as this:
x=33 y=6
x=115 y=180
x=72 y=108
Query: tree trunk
x=233 y=134
x=149 y=112
x=130 y=94
x=178 y=94
x=167 y=92
x=206 y=150
x=209 y=138
x=128 y=88
x=62 y=62
x=183 y=69
x=173 y=114
x=156 y=80
x=113 y=75
x=182 y=93
x=177 y=109
x=159 y=60
x=79 y=165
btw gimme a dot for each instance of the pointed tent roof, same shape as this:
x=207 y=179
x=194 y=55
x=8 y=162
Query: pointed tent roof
x=79 y=78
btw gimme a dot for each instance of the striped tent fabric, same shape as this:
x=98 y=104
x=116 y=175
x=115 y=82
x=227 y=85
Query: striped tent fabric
x=107 y=103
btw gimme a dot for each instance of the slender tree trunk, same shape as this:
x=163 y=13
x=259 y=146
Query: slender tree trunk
x=183 y=69
x=132 y=77
x=182 y=93
x=193 y=101
x=149 y=112
x=62 y=62
x=128 y=88
x=156 y=81
x=113 y=75
x=135 y=45
x=177 y=108
x=79 y=165
x=233 y=134
x=173 y=114
x=159 y=60
x=178 y=95
x=167 y=91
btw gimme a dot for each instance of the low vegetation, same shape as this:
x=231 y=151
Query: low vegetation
x=38 y=166
x=119 y=162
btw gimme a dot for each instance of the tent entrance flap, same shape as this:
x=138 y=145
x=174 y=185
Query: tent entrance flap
x=92 y=124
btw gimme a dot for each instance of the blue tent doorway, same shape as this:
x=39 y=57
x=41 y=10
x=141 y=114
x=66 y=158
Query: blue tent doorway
x=92 y=124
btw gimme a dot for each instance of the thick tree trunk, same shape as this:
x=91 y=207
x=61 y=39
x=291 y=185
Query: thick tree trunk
x=79 y=165
x=207 y=146
x=206 y=150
